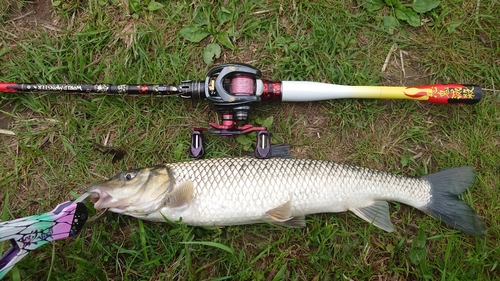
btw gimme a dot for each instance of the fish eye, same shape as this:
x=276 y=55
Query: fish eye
x=128 y=175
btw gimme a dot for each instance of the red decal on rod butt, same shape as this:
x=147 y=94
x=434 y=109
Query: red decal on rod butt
x=440 y=93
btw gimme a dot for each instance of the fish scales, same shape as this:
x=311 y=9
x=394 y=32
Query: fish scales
x=234 y=191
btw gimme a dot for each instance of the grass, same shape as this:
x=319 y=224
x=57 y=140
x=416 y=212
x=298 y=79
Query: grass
x=331 y=41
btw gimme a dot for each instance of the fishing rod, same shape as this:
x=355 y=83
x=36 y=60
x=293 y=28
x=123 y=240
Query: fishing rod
x=234 y=88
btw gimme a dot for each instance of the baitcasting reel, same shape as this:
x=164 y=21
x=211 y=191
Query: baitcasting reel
x=233 y=89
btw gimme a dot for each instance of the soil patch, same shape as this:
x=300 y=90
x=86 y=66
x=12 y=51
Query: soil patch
x=29 y=17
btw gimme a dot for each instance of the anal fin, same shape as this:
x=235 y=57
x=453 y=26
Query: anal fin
x=181 y=196
x=377 y=214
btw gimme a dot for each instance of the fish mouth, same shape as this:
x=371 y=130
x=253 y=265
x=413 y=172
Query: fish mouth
x=102 y=200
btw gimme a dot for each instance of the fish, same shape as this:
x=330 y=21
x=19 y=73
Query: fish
x=282 y=191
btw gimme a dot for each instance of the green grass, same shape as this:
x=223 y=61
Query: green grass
x=331 y=41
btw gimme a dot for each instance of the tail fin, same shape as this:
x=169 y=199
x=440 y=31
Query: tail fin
x=445 y=204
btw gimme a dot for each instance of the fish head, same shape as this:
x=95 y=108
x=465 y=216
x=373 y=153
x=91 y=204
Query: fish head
x=132 y=189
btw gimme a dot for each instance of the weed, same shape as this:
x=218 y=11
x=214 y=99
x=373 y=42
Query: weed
x=410 y=13
x=203 y=26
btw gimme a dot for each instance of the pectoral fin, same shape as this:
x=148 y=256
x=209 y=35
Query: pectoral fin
x=281 y=213
x=377 y=214
x=181 y=196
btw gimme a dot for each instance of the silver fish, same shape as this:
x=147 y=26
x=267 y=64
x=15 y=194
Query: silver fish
x=234 y=191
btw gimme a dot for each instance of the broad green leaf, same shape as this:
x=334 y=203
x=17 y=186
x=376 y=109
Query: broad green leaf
x=245 y=140
x=404 y=161
x=391 y=2
x=211 y=50
x=374 y=5
x=231 y=31
x=200 y=18
x=268 y=122
x=409 y=16
x=389 y=24
x=223 y=38
x=422 y=6
x=418 y=251
x=453 y=25
x=153 y=6
x=417 y=255
x=193 y=33
x=224 y=15
x=281 y=275
x=134 y=5
x=56 y=3
x=179 y=151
